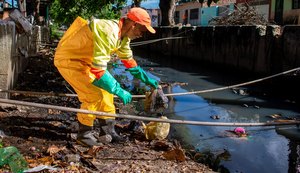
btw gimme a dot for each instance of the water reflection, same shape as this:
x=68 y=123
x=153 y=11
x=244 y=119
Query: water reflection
x=262 y=151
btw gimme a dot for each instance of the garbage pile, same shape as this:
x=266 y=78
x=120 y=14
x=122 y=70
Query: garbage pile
x=245 y=15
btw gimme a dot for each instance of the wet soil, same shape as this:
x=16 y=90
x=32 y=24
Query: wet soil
x=47 y=136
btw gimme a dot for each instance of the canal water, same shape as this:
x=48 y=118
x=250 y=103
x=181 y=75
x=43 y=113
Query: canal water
x=263 y=150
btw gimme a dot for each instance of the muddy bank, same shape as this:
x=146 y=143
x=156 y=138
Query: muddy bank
x=46 y=137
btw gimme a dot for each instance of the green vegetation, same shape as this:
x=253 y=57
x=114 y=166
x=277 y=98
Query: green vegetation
x=56 y=34
x=64 y=12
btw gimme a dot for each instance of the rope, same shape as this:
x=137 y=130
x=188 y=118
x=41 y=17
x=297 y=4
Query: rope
x=174 y=94
x=39 y=93
x=237 y=85
x=141 y=118
x=142 y=42
x=153 y=41
x=161 y=39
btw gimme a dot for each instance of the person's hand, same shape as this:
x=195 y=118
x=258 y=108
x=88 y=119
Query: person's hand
x=124 y=95
x=110 y=84
x=152 y=82
x=139 y=73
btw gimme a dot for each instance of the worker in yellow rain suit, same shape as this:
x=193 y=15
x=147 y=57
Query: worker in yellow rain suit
x=82 y=56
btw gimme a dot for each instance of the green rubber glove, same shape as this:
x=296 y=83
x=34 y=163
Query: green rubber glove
x=139 y=73
x=109 y=83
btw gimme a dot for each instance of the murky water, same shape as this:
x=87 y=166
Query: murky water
x=264 y=150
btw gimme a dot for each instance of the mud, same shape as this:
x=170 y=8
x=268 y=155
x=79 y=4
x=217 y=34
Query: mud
x=46 y=137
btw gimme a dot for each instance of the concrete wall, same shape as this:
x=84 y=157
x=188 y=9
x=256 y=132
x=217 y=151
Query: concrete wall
x=15 y=48
x=255 y=49
x=39 y=36
x=8 y=55
x=290 y=47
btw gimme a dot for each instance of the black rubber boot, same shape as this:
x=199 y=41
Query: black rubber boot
x=108 y=128
x=86 y=136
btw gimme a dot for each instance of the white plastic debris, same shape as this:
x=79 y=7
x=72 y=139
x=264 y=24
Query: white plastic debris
x=41 y=168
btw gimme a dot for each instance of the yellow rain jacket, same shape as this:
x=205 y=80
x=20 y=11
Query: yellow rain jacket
x=82 y=56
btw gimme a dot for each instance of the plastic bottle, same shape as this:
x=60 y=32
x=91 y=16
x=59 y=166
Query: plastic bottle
x=11 y=156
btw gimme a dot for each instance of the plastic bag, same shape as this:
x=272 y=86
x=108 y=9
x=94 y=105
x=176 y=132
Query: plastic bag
x=157 y=130
x=156 y=101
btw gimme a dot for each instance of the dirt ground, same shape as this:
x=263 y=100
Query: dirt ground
x=47 y=137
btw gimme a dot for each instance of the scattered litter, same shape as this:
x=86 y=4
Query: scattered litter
x=2 y=134
x=275 y=116
x=156 y=101
x=41 y=168
x=245 y=105
x=239 y=91
x=239 y=130
x=243 y=92
x=215 y=117
x=257 y=107
x=157 y=130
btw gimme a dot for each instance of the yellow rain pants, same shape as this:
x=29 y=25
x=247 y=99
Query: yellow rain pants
x=73 y=59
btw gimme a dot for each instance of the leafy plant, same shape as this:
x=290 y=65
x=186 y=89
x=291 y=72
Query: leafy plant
x=109 y=11
x=55 y=33
x=1 y=143
x=64 y=12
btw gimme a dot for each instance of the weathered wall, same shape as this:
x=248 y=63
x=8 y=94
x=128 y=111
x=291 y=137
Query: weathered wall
x=290 y=47
x=257 y=49
x=39 y=36
x=15 y=48
x=7 y=56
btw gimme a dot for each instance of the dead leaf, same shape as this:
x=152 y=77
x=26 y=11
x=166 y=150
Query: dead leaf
x=53 y=112
x=175 y=154
x=53 y=149
x=46 y=160
x=162 y=145
x=93 y=150
x=40 y=161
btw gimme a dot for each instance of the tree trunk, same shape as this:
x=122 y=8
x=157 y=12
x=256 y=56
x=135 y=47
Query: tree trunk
x=136 y=3
x=167 y=8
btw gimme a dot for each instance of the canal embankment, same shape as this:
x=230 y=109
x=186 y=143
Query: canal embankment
x=256 y=49
x=252 y=52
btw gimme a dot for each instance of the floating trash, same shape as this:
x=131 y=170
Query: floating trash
x=156 y=101
x=239 y=130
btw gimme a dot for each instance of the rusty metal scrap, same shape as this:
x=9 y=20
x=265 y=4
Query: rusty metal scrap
x=245 y=15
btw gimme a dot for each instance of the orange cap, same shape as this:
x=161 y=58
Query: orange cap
x=140 y=16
